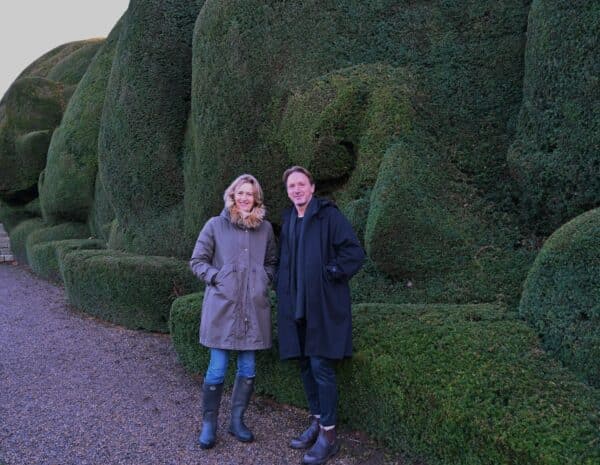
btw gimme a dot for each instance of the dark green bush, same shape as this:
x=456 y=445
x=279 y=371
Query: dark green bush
x=67 y=188
x=40 y=253
x=11 y=216
x=71 y=68
x=465 y=384
x=44 y=257
x=556 y=154
x=131 y=290
x=31 y=105
x=141 y=137
x=252 y=58
x=462 y=384
x=44 y=65
x=19 y=234
x=184 y=324
x=561 y=296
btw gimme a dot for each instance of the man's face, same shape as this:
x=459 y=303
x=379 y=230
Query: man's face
x=299 y=189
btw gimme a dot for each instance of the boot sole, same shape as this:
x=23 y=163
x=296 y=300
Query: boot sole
x=325 y=459
x=250 y=439
x=301 y=446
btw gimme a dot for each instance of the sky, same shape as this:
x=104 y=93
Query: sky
x=30 y=28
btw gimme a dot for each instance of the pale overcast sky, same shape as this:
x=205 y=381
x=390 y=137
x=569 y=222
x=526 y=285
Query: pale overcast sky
x=30 y=28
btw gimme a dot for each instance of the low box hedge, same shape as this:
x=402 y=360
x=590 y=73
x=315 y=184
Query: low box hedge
x=11 y=216
x=453 y=384
x=41 y=257
x=18 y=237
x=131 y=290
x=44 y=256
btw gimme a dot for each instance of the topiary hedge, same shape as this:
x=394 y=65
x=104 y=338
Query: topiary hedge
x=44 y=65
x=466 y=384
x=252 y=58
x=561 y=295
x=131 y=290
x=453 y=384
x=71 y=68
x=67 y=188
x=141 y=138
x=555 y=156
x=18 y=237
x=31 y=105
x=44 y=257
x=11 y=216
x=184 y=324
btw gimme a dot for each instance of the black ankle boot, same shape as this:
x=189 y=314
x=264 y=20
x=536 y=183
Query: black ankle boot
x=326 y=447
x=211 y=400
x=240 y=398
x=308 y=436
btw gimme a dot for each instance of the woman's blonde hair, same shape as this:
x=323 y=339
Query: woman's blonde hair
x=229 y=195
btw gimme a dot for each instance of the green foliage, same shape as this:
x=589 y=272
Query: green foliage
x=131 y=290
x=102 y=214
x=434 y=236
x=556 y=154
x=11 y=216
x=71 y=68
x=184 y=324
x=67 y=191
x=465 y=384
x=140 y=140
x=462 y=384
x=561 y=296
x=44 y=257
x=40 y=251
x=31 y=106
x=251 y=58
x=342 y=124
x=44 y=65
x=19 y=234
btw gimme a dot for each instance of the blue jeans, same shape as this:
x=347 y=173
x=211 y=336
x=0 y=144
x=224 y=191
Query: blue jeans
x=320 y=386
x=219 y=360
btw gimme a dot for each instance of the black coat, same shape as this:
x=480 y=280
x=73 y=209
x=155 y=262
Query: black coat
x=328 y=257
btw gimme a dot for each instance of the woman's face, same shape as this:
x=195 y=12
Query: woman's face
x=244 y=197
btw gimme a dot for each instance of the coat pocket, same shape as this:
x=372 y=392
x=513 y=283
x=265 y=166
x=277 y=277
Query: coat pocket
x=227 y=282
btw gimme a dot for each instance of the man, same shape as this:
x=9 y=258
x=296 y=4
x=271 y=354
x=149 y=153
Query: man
x=319 y=253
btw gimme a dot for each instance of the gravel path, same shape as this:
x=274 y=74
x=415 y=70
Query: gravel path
x=76 y=390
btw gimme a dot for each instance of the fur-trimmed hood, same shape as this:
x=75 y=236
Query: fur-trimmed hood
x=251 y=221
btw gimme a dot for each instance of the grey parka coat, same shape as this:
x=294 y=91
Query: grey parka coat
x=237 y=263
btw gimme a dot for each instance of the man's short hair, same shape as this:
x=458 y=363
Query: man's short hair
x=297 y=169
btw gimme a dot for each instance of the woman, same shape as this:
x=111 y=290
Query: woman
x=235 y=255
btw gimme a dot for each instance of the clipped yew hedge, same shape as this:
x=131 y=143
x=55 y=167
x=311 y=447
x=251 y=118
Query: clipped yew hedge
x=141 y=137
x=67 y=187
x=561 y=296
x=11 y=216
x=18 y=237
x=131 y=290
x=555 y=156
x=44 y=257
x=452 y=384
x=40 y=252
